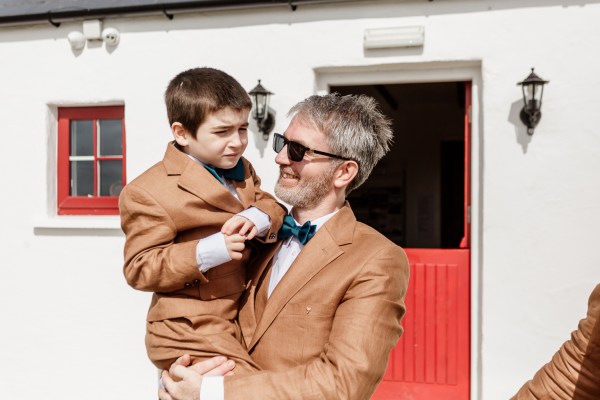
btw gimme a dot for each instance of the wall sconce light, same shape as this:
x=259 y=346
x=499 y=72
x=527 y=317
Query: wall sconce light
x=264 y=118
x=533 y=90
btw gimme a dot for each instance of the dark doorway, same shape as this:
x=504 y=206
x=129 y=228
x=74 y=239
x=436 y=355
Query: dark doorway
x=415 y=194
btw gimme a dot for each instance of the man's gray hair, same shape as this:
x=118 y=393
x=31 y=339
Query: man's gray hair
x=354 y=127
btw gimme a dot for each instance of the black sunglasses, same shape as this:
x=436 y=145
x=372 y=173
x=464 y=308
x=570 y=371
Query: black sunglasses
x=296 y=151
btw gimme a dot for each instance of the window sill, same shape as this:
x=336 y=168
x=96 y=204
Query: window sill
x=105 y=223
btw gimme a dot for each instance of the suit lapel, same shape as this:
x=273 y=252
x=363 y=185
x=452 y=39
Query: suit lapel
x=245 y=188
x=194 y=178
x=248 y=312
x=322 y=249
x=198 y=181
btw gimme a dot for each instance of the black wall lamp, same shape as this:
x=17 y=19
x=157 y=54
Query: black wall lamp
x=264 y=118
x=533 y=90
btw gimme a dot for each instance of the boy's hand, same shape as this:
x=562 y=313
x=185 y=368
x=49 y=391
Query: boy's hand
x=240 y=225
x=235 y=245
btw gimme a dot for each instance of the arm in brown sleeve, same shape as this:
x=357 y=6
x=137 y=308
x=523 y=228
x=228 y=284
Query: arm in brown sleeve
x=153 y=261
x=574 y=371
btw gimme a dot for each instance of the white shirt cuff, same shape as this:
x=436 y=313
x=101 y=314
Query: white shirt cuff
x=211 y=251
x=213 y=388
x=259 y=218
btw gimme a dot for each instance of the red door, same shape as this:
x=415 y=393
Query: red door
x=418 y=196
x=432 y=358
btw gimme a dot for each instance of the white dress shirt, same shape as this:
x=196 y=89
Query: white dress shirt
x=287 y=253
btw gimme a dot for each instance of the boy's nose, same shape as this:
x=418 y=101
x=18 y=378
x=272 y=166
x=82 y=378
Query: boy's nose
x=236 y=141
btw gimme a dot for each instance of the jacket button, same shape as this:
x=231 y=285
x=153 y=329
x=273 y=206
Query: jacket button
x=187 y=285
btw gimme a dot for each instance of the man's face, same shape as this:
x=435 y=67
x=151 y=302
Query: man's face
x=304 y=184
x=221 y=139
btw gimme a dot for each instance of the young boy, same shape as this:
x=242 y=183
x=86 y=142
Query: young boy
x=187 y=219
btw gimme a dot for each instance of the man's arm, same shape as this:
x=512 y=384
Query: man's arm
x=365 y=328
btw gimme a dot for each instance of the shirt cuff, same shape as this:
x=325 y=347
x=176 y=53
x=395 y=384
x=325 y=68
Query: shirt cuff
x=212 y=388
x=259 y=218
x=211 y=251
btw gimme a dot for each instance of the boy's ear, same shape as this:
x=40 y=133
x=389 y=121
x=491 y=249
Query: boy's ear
x=345 y=173
x=180 y=134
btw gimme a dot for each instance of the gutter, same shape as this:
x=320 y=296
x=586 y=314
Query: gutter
x=55 y=17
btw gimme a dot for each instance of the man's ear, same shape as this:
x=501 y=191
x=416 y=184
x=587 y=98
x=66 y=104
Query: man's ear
x=345 y=173
x=180 y=134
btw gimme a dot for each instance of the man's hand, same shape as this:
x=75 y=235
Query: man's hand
x=207 y=367
x=183 y=382
x=235 y=245
x=240 y=225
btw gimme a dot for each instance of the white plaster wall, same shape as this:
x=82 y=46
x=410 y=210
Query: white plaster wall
x=67 y=312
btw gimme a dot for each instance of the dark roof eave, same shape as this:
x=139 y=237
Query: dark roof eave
x=55 y=17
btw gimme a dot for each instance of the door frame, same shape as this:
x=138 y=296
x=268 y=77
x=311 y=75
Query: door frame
x=426 y=72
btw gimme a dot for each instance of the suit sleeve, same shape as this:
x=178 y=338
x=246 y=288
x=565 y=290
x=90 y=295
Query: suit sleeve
x=153 y=261
x=267 y=204
x=365 y=328
x=574 y=371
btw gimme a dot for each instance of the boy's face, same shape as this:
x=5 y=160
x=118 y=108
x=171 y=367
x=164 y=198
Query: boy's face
x=220 y=139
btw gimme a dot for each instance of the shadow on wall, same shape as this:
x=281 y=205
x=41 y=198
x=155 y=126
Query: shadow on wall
x=259 y=141
x=521 y=135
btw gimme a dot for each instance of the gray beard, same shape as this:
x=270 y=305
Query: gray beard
x=306 y=194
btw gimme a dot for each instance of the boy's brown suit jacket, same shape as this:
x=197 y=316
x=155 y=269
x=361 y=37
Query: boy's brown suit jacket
x=163 y=214
x=327 y=329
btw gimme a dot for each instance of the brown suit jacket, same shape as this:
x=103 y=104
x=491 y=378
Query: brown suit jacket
x=328 y=328
x=574 y=372
x=164 y=212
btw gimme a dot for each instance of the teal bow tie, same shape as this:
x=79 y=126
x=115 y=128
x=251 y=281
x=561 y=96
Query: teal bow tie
x=289 y=228
x=236 y=173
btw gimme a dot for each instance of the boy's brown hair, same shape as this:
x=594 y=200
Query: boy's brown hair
x=194 y=94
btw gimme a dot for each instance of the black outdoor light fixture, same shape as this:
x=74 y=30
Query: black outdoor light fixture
x=264 y=118
x=533 y=90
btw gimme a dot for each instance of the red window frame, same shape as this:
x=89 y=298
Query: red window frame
x=85 y=205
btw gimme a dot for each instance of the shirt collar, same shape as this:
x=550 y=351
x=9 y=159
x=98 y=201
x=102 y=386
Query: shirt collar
x=319 y=221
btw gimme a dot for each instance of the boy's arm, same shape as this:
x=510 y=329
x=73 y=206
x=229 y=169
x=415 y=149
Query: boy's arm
x=153 y=261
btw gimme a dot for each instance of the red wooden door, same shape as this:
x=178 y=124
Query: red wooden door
x=432 y=358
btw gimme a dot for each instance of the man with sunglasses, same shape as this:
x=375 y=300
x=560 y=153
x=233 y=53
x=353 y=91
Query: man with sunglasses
x=323 y=310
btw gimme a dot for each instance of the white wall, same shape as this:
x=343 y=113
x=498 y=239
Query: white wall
x=69 y=315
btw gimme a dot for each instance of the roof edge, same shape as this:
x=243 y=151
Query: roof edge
x=168 y=9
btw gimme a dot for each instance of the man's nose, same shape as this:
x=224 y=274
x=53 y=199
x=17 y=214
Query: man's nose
x=282 y=157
